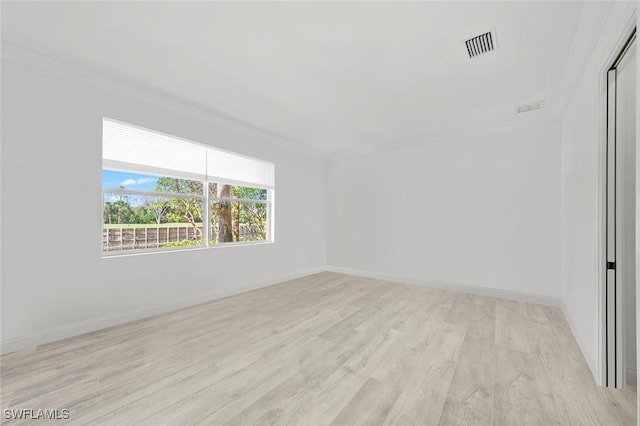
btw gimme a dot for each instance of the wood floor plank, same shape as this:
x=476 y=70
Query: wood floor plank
x=323 y=349
x=190 y=402
x=516 y=398
x=326 y=401
x=369 y=406
x=425 y=378
x=470 y=396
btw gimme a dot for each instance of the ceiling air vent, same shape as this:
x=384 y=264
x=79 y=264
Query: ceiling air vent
x=530 y=107
x=481 y=44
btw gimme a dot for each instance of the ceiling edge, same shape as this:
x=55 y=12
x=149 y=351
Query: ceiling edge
x=11 y=51
x=462 y=133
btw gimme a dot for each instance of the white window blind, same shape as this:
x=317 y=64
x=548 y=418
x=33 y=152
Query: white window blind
x=233 y=168
x=131 y=148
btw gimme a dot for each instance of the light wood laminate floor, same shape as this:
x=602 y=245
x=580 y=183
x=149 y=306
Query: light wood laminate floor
x=324 y=349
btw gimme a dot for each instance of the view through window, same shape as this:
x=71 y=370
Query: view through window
x=158 y=211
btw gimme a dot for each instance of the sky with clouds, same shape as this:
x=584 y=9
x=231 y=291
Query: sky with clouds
x=112 y=179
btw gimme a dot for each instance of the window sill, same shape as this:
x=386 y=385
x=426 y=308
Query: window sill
x=144 y=252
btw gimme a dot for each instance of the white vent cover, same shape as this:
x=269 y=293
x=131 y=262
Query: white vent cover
x=480 y=44
x=530 y=107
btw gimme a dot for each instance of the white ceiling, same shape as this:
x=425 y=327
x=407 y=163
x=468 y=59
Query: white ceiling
x=333 y=76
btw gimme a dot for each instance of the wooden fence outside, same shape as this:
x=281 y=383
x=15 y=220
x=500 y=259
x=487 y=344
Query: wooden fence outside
x=146 y=236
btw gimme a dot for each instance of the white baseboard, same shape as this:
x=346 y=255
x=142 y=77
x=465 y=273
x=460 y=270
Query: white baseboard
x=632 y=376
x=82 y=327
x=537 y=299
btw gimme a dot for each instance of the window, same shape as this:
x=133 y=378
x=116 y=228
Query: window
x=160 y=192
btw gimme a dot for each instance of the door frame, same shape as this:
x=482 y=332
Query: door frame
x=615 y=52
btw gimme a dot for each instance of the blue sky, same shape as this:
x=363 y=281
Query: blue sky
x=111 y=179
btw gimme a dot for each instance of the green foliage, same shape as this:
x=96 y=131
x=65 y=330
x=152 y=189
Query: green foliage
x=121 y=212
x=117 y=211
x=230 y=220
x=179 y=186
x=249 y=193
x=184 y=243
x=183 y=209
x=158 y=209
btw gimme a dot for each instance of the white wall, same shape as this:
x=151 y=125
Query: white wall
x=637 y=222
x=581 y=174
x=54 y=280
x=483 y=211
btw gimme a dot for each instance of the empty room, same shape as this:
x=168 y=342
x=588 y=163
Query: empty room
x=319 y=213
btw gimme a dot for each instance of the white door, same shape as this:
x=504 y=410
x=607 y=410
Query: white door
x=620 y=250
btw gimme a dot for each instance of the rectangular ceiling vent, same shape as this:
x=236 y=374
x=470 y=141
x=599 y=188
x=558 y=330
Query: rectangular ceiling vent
x=533 y=106
x=481 y=44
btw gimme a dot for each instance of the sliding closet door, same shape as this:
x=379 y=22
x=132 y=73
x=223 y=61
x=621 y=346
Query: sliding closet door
x=612 y=317
x=620 y=244
x=626 y=208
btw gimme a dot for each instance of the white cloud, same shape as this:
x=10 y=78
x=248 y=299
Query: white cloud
x=140 y=181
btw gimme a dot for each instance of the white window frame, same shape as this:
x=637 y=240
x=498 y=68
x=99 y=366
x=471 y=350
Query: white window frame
x=205 y=197
x=268 y=202
x=206 y=219
x=166 y=195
